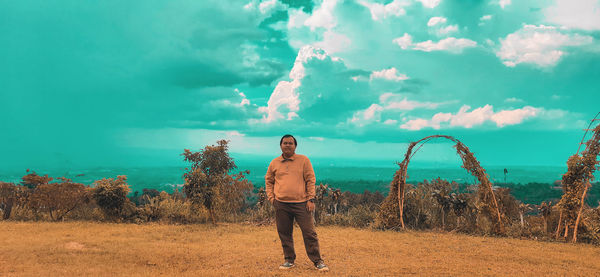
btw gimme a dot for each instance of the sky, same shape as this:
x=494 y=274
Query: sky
x=114 y=83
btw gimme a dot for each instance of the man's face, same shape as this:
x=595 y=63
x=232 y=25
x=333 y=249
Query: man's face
x=288 y=148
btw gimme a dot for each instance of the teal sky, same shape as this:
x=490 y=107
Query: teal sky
x=114 y=83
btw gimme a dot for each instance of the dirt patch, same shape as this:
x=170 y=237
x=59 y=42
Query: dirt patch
x=74 y=246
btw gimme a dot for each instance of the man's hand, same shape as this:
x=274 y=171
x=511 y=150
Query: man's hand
x=310 y=206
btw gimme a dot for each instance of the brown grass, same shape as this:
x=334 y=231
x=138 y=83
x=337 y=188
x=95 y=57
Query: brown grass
x=100 y=249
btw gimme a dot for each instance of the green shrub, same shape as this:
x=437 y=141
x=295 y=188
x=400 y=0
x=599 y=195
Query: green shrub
x=111 y=196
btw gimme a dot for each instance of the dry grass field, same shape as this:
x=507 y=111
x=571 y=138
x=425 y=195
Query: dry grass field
x=101 y=249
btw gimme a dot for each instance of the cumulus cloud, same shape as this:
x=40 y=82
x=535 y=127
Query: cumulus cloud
x=370 y=114
x=450 y=44
x=323 y=16
x=320 y=91
x=441 y=30
x=381 y=11
x=484 y=19
x=333 y=42
x=512 y=117
x=447 y=30
x=270 y=5
x=436 y=20
x=405 y=41
x=285 y=94
x=392 y=101
x=581 y=14
x=468 y=119
x=388 y=107
x=539 y=45
x=245 y=101
x=389 y=74
x=297 y=17
x=430 y=3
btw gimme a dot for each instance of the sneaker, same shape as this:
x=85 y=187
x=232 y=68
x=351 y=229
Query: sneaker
x=321 y=266
x=287 y=265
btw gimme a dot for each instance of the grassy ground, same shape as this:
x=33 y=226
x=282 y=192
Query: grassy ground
x=84 y=248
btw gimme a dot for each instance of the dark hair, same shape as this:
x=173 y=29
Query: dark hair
x=288 y=136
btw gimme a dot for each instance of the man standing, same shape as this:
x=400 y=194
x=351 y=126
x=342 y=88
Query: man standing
x=290 y=185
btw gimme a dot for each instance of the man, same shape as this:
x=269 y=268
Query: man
x=290 y=186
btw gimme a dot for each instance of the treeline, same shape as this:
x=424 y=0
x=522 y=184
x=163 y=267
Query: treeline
x=212 y=192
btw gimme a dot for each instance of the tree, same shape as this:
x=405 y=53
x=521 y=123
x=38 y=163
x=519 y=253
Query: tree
x=111 y=195
x=58 y=199
x=209 y=171
x=32 y=180
x=8 y=197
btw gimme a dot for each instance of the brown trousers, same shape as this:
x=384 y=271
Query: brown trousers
x=284 y=218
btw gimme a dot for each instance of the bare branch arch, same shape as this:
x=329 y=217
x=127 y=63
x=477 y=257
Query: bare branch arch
x=470 y=163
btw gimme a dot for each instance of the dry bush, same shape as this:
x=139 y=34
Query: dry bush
x=231 y=196
x=33 y=180
x=111 y=196
x=360 y=216
x=389 y=213
x=576 y=182
x=171 y=209
x=590 y=226
x=263 y=212
x=58 y=199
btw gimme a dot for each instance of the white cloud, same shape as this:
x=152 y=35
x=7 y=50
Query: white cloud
x=245 y=101
x=333 y=42
x=390 y=104
x=430 y=3
x=435 y=122
x=539 y=45
x=267 y=6
x=408 y=105
x=513 y=117
x=369 y=115
x=285 y=93
x=390 y=122
x=436 y=20
x=389 y=74
x=513 y=100
x=555 y=97
x=468 y=119
x=448 y=29
x=322 y=17
x=580 y=14
x=392 y=101
x=451 y=44
x=484 y=19
x=380 y=11
x=404 y=41
x=504 y=3
x=297 y=17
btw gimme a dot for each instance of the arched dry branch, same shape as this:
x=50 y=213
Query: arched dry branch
x=470 y=163
x=576 y=182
